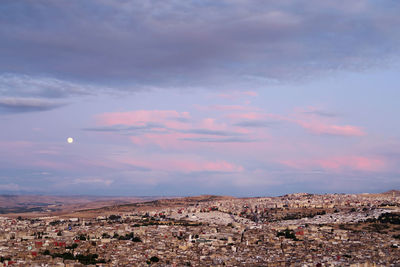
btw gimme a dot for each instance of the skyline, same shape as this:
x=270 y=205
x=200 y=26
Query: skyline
x=171 y=98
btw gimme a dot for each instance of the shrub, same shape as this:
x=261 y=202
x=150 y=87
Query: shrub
x=154 y=259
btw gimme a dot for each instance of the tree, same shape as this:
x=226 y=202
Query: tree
x=154 y=259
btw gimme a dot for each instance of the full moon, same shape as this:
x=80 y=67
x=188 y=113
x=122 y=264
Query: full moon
x=70 y=140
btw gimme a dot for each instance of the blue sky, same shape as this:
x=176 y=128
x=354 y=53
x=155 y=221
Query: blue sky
x=199 y=97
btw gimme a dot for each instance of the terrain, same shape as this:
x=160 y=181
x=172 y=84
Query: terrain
x=39 y=205
x=292 y=230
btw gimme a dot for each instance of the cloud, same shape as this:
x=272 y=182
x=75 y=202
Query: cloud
x=21 y=85
x=191 y=43
x=211 y=132
x=10 y=187
x=219 y=140
x=237 y=94
x=340 y=163
x=104 y=129
x=15 y=145
x=25 y=93
x=321 y=113
x=321 y=124
x=165 y=128
x=168 y=118
x=145 y=128
x=21 y=105
x=227 y=107
x=256 y=124
x=250 y=116
x=326 y=129
x=92 y=180
x=185 y=165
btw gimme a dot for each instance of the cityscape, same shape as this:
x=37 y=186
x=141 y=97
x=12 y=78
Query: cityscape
x=199 y=133
x=292 y=230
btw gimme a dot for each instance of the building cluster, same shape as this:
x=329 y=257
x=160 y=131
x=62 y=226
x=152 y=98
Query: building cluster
x=329 y=230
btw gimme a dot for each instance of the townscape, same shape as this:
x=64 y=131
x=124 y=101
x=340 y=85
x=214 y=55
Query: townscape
x=292 y=230
x=167 y=133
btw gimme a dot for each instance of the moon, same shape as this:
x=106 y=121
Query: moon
x=70 y=140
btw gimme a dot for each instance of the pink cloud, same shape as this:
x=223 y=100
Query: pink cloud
x=92 y=180
x=185 y=165
x=250 y=93
x=51 y=165
x=167 y=140
x=236 y=94
x=254 y=115
x=16 y=144
x=311 y=119
x=320 y=128
x=212 y=124
x=196 y=166
x=339 y=163
x=172 y=133
x=222 y=166
x=143 y=117
x=315 y=126
x=228 y=107
x=246 y=116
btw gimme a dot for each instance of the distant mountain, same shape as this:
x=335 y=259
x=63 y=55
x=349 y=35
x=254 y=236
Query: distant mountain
x=393 y=192
x=60 y=204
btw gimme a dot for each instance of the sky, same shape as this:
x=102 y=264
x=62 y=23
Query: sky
x=173 y=98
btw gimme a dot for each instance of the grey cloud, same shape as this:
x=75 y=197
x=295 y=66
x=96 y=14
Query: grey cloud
x=24 y=93
x=256 y=124
x=20 y=85
x=321 y=113
x=194 y=43
x=181 y=119
x=154 y=128
x=219 y=140
x=126 y=130
x=102 y=129
x=210 y=132
x=21 y=105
